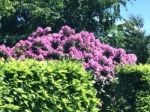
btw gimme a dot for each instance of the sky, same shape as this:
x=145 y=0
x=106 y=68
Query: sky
x=139 y=8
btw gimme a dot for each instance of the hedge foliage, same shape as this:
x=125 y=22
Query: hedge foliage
x=132 y=92
x=55 y=86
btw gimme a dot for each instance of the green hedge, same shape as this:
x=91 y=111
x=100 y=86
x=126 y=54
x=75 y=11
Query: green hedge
x=55 y=86
x=132 y=92
x=129 y=91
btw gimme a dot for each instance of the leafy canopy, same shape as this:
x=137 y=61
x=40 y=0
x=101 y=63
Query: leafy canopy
x=21 y=17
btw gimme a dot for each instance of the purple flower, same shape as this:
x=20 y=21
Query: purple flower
x=40 y=57
x=39 y=30
x=47 y=30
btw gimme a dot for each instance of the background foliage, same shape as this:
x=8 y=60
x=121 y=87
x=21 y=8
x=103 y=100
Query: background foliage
x=20 y=18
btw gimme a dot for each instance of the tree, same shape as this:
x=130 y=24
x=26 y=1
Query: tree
x=130 y=36
x=21 y=17
x=92 y=15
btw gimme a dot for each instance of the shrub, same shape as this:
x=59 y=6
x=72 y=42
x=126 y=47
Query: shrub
x=94 y=55
x=55 y=86
x=132 y=92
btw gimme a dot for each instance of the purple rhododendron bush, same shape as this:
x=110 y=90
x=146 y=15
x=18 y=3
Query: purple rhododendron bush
x=95 y=56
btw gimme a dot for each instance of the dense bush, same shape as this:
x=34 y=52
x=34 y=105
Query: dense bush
x=95 y=56
x=132 y=92
x=55 y=86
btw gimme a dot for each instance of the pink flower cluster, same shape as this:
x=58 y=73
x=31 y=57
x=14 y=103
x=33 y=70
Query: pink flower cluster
x=5 y=52
x=84 y=46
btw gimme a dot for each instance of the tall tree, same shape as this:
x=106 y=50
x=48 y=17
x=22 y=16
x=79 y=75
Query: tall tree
x=20 y=17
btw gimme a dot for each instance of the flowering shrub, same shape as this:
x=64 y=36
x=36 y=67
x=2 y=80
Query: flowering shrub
x=95 y=56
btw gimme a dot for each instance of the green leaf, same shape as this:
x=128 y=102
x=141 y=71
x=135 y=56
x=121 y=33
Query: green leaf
x=9 y=99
